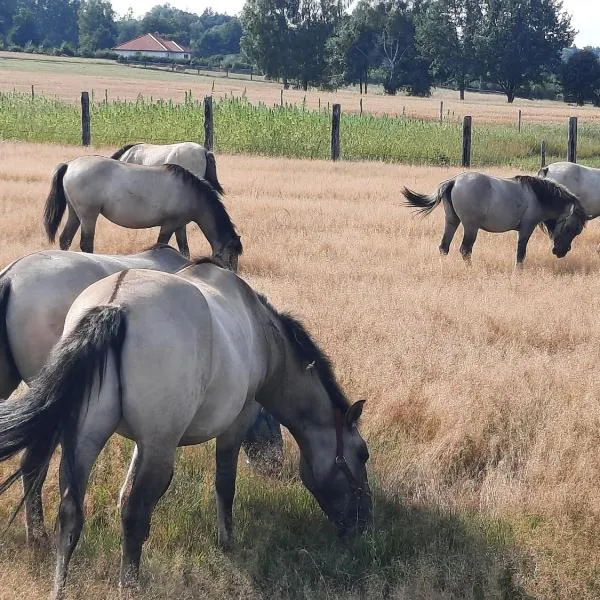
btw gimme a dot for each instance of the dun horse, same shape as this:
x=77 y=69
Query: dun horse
x=36 y=293
x=582 y=181
x=521 y=203
x=191 y=156
x=220 y=346
x=137 y=197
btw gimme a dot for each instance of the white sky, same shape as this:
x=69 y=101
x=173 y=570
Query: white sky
x=585 y=14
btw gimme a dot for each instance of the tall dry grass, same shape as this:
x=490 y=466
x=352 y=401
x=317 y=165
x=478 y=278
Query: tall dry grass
x=481 y=386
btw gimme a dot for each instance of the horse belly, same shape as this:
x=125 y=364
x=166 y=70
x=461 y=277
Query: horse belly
x=135 y=213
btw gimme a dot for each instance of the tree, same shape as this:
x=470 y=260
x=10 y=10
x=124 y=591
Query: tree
x=522 y=40
x=24 y=27
x=581 y=77
x=288 y=38
x=97 y=28
x=58 y=20
x=448 y=33
x=128 y=27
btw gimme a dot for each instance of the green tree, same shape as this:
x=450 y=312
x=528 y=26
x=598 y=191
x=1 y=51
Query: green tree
x=128 y=27
x=24 y=27
x=448 y=34
x=523 y=40
x=7 y=12
x=580 y=77
x=58 y=20
x=97 y=27
x=287 y=38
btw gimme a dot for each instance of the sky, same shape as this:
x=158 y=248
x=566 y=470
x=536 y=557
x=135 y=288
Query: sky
x=585 y=14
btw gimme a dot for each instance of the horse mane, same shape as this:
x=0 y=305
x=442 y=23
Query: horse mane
x=159 y=246
x=551 y=194
x=117 y=155
x=309 y=354
x=224 y=225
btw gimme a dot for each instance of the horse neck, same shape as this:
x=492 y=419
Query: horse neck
x=291 y=392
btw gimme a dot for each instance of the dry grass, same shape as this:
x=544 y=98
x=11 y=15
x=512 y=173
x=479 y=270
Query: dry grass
x=66 y=78
x=481 y=382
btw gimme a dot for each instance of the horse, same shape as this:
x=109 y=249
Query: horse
x=520 y=203
x=36 y=292
x=220 y=346
x=137 y=197
x=191 y=156
x=582 y=181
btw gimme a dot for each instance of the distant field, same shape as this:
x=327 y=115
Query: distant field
x=67 y=77
x=481 y=417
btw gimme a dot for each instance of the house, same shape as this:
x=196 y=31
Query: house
x=151 y=45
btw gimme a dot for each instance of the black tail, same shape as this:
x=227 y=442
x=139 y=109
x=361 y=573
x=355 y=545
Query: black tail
x=6 y=356
x=211 y=172
x=543 y=172
x=117 y=155
x=51 y=407
x=425 y=203
x=56 y=202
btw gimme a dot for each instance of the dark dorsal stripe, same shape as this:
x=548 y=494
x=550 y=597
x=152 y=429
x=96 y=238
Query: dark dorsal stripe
x=224 y=225
x=117 y=285
x=309 y=354
x=117 y=155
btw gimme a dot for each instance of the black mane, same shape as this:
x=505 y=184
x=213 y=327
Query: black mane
x=309 y=354
x=204 y=260
x=550 y=194
x=159 y=246
x=225 y=228
x=117 y=155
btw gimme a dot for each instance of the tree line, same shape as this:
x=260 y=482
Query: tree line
x=515 y=46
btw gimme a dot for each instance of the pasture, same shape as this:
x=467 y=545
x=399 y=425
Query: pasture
x=481 y=387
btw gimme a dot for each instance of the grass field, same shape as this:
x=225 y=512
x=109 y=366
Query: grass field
x=481 y=387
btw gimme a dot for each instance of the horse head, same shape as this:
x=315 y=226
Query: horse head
x=306 y=398
x=336 y=475
x=568 y=225
x=229 y=253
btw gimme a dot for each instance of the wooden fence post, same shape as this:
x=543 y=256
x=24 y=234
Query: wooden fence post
x=441 y=111
x=466 y=149
x=572 y=140
x=208 y=123
x=543 y=154
x=519 y=122
x=85 y=119
x=335 y=132
x=361 y=108
x=32 y=92
x=281 y=97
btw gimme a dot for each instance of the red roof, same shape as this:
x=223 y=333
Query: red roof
x=150 y=42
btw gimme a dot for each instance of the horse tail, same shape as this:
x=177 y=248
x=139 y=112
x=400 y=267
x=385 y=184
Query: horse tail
x=425 y=203
x=543 y=172
x=8 y=366
x=117 y=155
x=56 y=202
x=51 y=407
x=211 y=172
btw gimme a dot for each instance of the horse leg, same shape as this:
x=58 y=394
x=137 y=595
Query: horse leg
x=524 y=235
x=181 y=237
x=452 y=223
x=88 y=230
x=70 y=229
x=90 y=441
x=226 y=458
x=165 y=234
x=466 y=248
x=152 y=475
x=33 y=477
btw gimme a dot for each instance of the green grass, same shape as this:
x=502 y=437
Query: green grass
x=241 y=127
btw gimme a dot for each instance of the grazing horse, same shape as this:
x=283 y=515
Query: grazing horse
x=582 y=181
x=191 y=156
x=220 y=346
x=520 y=203
x=36 y=293
x=138 y=197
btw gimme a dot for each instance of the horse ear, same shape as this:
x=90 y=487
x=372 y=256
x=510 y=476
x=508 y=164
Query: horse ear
x=354 y=412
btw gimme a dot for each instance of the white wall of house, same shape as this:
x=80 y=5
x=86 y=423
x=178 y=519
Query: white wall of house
x=152 y=54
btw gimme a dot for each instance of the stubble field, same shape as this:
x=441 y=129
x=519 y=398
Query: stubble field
x=481 y=386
